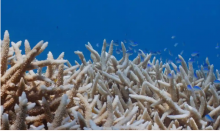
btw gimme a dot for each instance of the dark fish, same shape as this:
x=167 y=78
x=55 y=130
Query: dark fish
x=209 y=118
x=130 y=52
x=189 y=87
x=217 y=82
x=197 y=88
x=170 y=75
x=149 y=66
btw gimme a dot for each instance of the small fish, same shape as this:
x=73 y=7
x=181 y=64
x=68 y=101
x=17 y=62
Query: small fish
x=164 y=49
x=189 y=87
x=169 y=61
x=153 y=52
x=135 y=51
x=217 y=82
x=197 y=88
x=116 y=43
x=209 y=118
x=134 y=44
x=195 y=54
x=118 y=51
x=130 y=52
x=149 y=65
x=206 y=70
x=170 y=75
x=97 y=44
x=217 y=46
x=181 y=53
x=172 y=37
x=139 y=52
x=170 y=53
x=131 y=41
x=191 y=60
x=195 y=75
x=125 y=41
x=176 y=44
x=107 y=44
x=158 y=52
x=130 y=47
x=178 y=60
x=145 y=52
x=205 y=65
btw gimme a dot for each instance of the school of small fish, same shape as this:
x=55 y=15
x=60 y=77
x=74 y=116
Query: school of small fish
x=132 y=48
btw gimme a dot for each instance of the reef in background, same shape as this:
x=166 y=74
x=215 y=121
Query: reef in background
x=104 y=93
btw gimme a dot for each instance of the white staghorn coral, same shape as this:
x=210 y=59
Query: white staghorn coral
x=104 y=93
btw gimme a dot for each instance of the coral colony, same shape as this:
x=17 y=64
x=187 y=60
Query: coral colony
x=104 y=93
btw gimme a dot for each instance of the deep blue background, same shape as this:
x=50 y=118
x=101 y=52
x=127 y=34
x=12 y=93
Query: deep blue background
x=149 y=22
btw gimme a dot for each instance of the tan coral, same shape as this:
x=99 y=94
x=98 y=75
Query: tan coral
x=104 y=93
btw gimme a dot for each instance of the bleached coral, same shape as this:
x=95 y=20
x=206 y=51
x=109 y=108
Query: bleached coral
x=104 y=93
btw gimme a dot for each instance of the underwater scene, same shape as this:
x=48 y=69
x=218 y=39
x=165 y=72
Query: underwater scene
x=110 y=65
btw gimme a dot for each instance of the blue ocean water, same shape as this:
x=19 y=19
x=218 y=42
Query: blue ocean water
x=69 y=25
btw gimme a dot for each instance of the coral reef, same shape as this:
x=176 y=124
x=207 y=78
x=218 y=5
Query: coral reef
x=104 y=93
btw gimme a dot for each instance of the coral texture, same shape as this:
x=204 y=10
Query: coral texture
x=104 y=93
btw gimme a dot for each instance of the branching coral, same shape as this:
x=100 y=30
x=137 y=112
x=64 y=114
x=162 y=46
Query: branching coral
x=104 y=93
